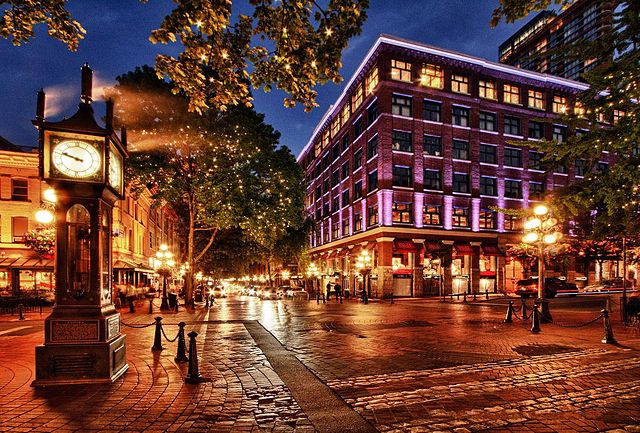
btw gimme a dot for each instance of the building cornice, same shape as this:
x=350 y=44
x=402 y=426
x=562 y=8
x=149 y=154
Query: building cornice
x=18 y=159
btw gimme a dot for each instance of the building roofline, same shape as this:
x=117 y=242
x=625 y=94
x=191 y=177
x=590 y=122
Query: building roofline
x=429 y=49
x=539 y=17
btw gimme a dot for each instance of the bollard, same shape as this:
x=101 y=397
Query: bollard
x=464 y=298
x=392 y=298
x=323 y=298
x=21 y=311
x=317 y=297
x=177 y=301
x=524 y=309
x=150 y=305
x=535 y=320
x=474 y=297
x=365 y=300
x=486 y=294
x=608 y=330
x=181 y=356
x=157 y=338
x=193 y=374
x=509 y=313
x=340 y=297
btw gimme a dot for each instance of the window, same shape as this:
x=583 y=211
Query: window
x=488 y=154
x=433 y=180
x=371 y=80
x=559 y=133
x=401 y=213
x=345 y=142
x=335 y=178
x=372 y=215
x=581 y=167
x=512 y=222
x=357 y=127
x=357 y=159
x=487 y=219
x=344 y=171
x=325 y=185
x=536 y=130
x=318 y=192
x=602 y=166
x=460 y=217
x=335 y=230
x=459 y=84
x=432 y=145
x=372 y=147
x=432 y=76
x=325 y=161
x=345 y=113
x=345 y=227
x=488 y=186
x=431 y=215
x=536 y=99
x=402 y=141
x=372 y=181
x=461 y=182
x=511 y=94
x=512 y=157
x=559 y=104
x=561 y=168
x=512 y=189
x=357 y=190
x=372 y=112
x=431 y=111
x=487 y=89
x=487 y=121
x=335 y=204
x=400 y=71
x=335 y=126
x=335 y=152
x=401 y=105
x=460 y=116
x=535 y=160
x=618 y=115
x=19 y=228
x=460 y=150
x=19 y=190
x=536 y=190
x=357 y=97
x=511 y=125
x=357 y=222
x=402 y=176
x=345 y=198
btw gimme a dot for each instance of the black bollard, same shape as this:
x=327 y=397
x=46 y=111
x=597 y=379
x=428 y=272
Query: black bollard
x=486 y=294
x=177 y=302
x=535 y=320
x=464 y=298
x=21 y=311
x=509 y=313
x=365 y=300
x=193 y=374
x=150 y=305
x=181 y=356
x=474 y=297
x=157 y=338
x=524 y=309
x=323 y=298
x=340 y=298
x=317 y=296
x=608 y=330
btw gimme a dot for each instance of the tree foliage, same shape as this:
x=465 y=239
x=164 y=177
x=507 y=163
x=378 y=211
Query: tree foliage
x=290 y=44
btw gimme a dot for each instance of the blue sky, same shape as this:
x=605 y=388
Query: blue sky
x=117 y=42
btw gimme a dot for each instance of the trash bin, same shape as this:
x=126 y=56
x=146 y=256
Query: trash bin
x=173 y=300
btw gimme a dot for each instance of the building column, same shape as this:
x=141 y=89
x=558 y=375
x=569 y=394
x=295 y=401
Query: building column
x=418 y=207
x=447 y=212
x=475 y=268
x=447 y=278
x=501 y=274
x=385 y=268
x=418 y=274
x=475 y=214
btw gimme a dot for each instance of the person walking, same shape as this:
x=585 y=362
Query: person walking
x=338 y=291
x=131 y=295
x=328 y=291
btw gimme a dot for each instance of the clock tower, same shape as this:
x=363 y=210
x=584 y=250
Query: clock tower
x=84 y=163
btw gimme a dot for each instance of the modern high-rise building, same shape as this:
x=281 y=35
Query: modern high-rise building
x=529 y=47
x=413 y=159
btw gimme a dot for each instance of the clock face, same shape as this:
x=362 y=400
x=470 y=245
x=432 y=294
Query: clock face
x=115 y=170
x=76 y=158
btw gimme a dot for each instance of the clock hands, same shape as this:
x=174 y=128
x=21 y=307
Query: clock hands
x=73 y=157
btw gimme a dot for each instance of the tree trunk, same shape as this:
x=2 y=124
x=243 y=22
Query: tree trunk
x=188 y=292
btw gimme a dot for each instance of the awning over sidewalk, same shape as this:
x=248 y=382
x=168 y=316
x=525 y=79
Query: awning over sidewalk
x=27 y=263
x=491 y=250
x=464 y=249
x=433 y=246
x=123 y=264
x=405 y=246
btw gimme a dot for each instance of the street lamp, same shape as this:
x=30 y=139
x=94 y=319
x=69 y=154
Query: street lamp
x=541 y=232
x=313 y=271
x=45 y=215
x=363 y=265
x=164 y=263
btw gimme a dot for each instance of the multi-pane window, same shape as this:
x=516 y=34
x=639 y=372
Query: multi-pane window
x=401 y=140
x=536 y=190
x=19 y=228
x=512 y=188
x=345 y=227
x=432 y=76
x=618 y=115
x=358 y=127
x=460 y=84
x=431 y=215
x=357 y=97
x=372 y=112
x=559 y=133
x=372 y=215
x=460 y=116
x=326 y=210
x=487 y=121
x=512 y=157
x=402 y=176
x=536 y=99
x=432 y=145
x=326 y=185
x=461 y=183
x=433 y=180
x=318 y=214
x=357 y=159
x=335 y=152
x=511 y=94
x=335 y=204
x=357 y=190
x=400 y=71
x=535 y=160
x=335 y=230
x=325 y=161
x=372 y=80
x=335 y=126
x=511 y=125
x=345 y=142
x=401 y=105
x=460 y=217
x=357 y=222
x=431 y=110
x=487 y=219
x=581 y=167
x=460 y=150
x=512 y=222
x=318 y=192
x=488 y=154
x=344 y=171
x=602 y=166
x=335 y=178
x=402 y=213
x=561 y=168
x=559 y=104
x=488 y=186
x=19 y=190
x=345 y=113
x=372 y=147
x=372 y=180
x=345 y=198
x=487 y=89
x=536 y=130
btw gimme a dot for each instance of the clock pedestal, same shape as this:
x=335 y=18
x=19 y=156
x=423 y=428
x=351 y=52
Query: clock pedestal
x=82 y=343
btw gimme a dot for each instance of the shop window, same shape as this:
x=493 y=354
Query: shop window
x=402 y=213
x=512 y=223
x=460 y=217
x=431 y=215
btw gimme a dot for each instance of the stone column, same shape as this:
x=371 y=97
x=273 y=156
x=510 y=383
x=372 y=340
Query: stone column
x=418 y=274
x=475 y=268
x=385 y=268
x=447 y=258
x=501 y=274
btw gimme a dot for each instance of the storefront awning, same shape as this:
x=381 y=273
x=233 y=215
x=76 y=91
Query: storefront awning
x=358 y=248
x=491 y=250
x=405 y=246
x=332 y=255
x=128 y=265
x=26 y=263
x=464 y=249
x=343 y=252
x=433 y=246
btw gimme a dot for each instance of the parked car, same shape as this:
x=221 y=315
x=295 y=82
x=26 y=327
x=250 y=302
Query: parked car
x=562 y=287
x=296 y=293
x=613 y=285
x=270 y=293
x=219 y=292
x=529 y=287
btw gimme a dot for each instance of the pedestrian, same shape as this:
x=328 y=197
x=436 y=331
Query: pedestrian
x=328 y=291
x=338 y=290
x=131 y=295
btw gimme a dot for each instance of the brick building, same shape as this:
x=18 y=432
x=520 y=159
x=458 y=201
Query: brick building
x=412 y=157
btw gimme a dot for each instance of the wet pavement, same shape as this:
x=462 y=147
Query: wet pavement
x=412 y=366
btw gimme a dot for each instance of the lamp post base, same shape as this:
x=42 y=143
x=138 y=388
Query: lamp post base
x=164 y=306
x=545 y=314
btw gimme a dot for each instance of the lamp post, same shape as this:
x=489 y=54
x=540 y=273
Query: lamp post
x=313 y=272
x=363 y=265
x=164 y=263
x=541 y=232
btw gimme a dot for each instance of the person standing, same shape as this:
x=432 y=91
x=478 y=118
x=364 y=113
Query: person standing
x=328 y=291
x=338 y=291
x=131 y=295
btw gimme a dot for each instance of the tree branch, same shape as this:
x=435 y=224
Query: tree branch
x=206 y=248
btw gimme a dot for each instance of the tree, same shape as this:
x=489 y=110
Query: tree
x=294 y=44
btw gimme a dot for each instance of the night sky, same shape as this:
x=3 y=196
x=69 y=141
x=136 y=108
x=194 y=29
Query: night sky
x=117 y=42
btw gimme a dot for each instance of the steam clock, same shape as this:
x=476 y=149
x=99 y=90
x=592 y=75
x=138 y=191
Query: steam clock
x=84 y=163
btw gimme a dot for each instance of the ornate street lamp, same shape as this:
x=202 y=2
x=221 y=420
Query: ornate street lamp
x=45 y=215
x=163 y=265
x=313 y=272
x=363 y=265
x=541 y=231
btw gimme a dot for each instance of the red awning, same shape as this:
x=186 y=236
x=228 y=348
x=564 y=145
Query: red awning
x=432 y=246
x=343 y=252
x=491 y=250
x=464 y=250
x=405 y=246
x=332 y=255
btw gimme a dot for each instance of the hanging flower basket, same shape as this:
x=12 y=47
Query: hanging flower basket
x=42 y=241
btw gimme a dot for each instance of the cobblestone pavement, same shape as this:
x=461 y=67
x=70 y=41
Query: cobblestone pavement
x=415 y=366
